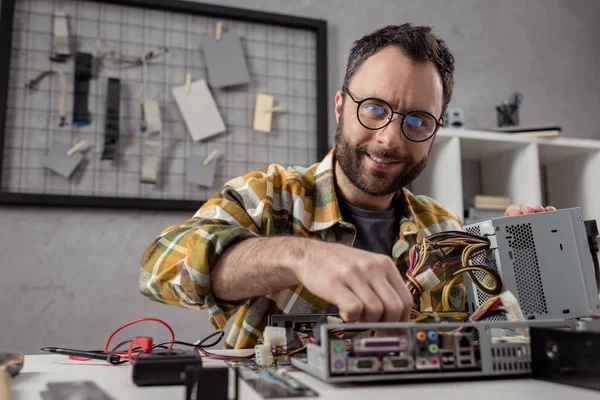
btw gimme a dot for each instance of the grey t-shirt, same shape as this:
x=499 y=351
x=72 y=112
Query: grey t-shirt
x=375 y=230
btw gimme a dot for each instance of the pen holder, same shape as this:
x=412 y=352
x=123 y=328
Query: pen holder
x=507 y=115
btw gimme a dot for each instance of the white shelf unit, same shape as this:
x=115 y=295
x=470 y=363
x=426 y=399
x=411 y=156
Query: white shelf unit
x=561 y=172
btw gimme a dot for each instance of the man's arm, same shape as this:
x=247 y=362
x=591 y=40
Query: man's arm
x=364 y=286
x=176 y=266
x=257 y=266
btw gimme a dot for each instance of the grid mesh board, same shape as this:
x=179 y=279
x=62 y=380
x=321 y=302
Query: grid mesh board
x=281 y=62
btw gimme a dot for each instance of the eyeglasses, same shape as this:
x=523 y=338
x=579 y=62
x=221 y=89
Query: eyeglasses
x=374 y=114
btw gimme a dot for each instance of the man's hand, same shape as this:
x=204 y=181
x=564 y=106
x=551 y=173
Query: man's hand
x=365 y=286
x=513 y=210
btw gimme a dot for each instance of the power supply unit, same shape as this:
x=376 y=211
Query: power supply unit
x=544 y=259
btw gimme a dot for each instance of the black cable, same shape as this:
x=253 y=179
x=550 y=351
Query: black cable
x=455 y=235
x=200 y=344
x=117 y=360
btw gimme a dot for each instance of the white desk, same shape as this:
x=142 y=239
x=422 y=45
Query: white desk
x=116 y=381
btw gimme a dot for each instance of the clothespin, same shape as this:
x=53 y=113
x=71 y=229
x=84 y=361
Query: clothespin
x=76 y=148
x=209 y=158
x=219 y=30
x=272 y=110
x=188 y=83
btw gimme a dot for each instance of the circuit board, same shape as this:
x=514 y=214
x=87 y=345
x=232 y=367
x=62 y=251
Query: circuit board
x=273 y=382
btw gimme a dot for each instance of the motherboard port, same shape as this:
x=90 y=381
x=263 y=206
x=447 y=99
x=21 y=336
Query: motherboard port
x=360 y=365
x=380 y=344
x=398 y=363
x=447 y=359
x=428 y=363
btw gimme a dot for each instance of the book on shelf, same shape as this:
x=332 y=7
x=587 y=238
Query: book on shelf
x=537 y=131
x=485 y=202
x=473 y=215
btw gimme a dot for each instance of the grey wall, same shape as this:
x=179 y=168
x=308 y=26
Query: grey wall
x=68 y=277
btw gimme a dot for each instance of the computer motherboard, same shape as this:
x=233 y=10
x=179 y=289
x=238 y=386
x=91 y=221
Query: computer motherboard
x=417 y=351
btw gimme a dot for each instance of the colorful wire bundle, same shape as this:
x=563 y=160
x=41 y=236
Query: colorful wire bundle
x=447 y=255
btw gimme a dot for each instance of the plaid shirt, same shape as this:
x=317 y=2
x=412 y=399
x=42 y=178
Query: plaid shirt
x=294 y=201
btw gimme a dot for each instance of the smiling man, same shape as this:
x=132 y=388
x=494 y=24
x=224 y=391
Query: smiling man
x=333 y=236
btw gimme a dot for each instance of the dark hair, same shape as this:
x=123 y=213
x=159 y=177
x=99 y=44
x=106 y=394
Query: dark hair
x=416 y=42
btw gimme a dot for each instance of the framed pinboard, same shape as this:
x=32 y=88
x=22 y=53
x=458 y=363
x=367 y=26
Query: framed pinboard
x=285 y=57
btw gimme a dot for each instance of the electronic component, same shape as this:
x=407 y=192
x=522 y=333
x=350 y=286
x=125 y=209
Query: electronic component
x=567 y=357
x=160 y=368
x=297 y=325
x=427 y=349
x=530 y=252
x=272 y=383
x=83 y=74
x=111 y=134
x=460 y=346
x=397 y=363
x=275 y=336
x=432 y=350
x=363 y=365
x=428 y=280
x=263 y=355
x=218 y=383
x=380 y=344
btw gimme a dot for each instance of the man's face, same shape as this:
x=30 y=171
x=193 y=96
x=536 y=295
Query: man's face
x=406 y=86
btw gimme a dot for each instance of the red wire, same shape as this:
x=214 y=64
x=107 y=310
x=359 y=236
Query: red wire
x=130 y=355
x=137 y=321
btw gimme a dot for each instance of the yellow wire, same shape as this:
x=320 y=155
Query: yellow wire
x=290 y=353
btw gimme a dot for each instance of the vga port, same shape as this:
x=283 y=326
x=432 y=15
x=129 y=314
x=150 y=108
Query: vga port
x=398 y=363
x=363 y=365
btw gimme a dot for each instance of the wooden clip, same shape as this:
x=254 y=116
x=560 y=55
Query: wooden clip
x=188 y=83
x=209 y=158
x=272 y=110
x=219 y=30
x=75 y=148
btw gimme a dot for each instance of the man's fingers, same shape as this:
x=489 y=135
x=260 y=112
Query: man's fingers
x=350 y=306
x=538 y=209
x=527 y=210
x=393 y=306
x=550 y=208
x=512 y=210
x=359 y=284
x=407 y=300
x=399 y=286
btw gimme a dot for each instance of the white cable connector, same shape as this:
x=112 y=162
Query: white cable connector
x=428 y=280
x=274 y=336
x=334 y=320
x=263 y=355
x=511 y=305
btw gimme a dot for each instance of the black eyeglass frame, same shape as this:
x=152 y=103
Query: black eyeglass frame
x=438 y=123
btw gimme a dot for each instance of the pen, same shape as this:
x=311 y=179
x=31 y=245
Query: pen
x=80 y=353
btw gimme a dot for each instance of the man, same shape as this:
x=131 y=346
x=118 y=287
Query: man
x=336 y=234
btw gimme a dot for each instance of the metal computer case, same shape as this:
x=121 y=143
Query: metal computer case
x=544 y=259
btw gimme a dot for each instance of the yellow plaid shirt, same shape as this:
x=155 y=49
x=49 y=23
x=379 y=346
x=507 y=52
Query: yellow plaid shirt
x=294 y=201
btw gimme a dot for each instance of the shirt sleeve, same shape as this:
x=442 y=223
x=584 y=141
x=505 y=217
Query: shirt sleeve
x=176 y=266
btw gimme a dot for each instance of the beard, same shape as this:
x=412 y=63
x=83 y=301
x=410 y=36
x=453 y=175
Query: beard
x=376 y=182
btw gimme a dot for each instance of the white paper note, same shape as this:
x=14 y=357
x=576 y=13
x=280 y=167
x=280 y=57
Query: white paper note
x=199 y=110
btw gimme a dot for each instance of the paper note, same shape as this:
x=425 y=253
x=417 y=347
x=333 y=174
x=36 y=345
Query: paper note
x=225 y=61
x=59 y=161
x=263 y=112
x=199 y=110
x=199 y=174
